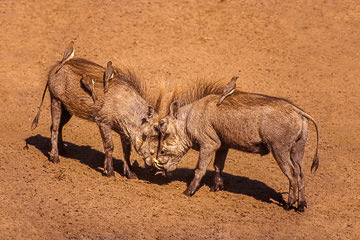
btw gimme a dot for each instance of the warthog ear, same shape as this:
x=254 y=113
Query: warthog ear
x=150 y=112
x=162 y=127
x=174 y=107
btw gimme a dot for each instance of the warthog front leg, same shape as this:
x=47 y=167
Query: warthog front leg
x=126 y=145
x=55 y=122
x=106 y=135
x=219 y=164
x=205 y=157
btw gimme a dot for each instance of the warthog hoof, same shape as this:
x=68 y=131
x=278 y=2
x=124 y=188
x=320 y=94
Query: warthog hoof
x=218 y=185
x=131 y=175
x=216 y=188
x=108 y=173
x=301 y=206
x=54 y=159
x=288 y=206
x=189 y=192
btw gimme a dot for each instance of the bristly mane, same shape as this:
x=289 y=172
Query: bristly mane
x=124 y=76
x=199 y=90
x=129 y=78
x=203 y=88
x=188 y=94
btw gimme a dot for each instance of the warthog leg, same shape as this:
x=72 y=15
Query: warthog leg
x=126 y=146
x=205 y=157
x=106 y=135
x=219 y=164
x=55 y=118
x=282 y=157
x=297 y=154
x=65 y=118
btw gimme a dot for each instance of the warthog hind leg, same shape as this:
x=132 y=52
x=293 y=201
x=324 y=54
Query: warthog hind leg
x=55 y=122
x=65 y=118
x=219 y=164
x=282 y=157
x=297 y=154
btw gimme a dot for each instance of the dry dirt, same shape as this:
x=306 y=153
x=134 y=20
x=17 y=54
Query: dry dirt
x=305 y=51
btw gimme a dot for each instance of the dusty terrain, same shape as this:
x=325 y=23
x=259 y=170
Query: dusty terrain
x=305 y=51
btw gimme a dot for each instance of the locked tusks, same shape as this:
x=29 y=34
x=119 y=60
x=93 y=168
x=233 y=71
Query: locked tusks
x=157 y=164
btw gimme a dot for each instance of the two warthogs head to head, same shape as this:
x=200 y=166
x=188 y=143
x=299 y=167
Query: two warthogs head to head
x=170 y=145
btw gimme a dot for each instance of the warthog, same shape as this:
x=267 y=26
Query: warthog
x=124 y=109
x=244 y=121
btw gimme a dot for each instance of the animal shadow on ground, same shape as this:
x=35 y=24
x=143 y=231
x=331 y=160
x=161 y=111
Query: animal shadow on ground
x=85 y=154
x=235 y=184
x=94 y=159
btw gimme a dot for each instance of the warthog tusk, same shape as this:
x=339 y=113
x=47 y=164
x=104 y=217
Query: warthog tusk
x=158 y=164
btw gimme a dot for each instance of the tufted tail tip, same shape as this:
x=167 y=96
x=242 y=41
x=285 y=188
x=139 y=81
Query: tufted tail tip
x=35 y=121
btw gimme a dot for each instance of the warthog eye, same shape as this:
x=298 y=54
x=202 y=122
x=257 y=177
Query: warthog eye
x=143 y=121
x=145 y=137
x=165 y=136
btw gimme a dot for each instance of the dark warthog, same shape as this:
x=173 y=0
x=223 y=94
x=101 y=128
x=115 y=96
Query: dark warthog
x=249 y=122
x=124 y=109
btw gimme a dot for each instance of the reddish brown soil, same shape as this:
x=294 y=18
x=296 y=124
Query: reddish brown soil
x=307 y=52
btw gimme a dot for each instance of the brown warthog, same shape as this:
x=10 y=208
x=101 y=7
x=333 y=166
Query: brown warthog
x=245 y=121
x=124 y=108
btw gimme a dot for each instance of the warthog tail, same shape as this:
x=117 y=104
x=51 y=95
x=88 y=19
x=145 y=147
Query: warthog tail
x=315 y=164
x=36 y=119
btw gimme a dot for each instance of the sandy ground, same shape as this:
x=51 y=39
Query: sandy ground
x=305 y=51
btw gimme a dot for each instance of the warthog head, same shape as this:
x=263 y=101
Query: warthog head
x=175 y=139
x=147 y=143
x=173 y=142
